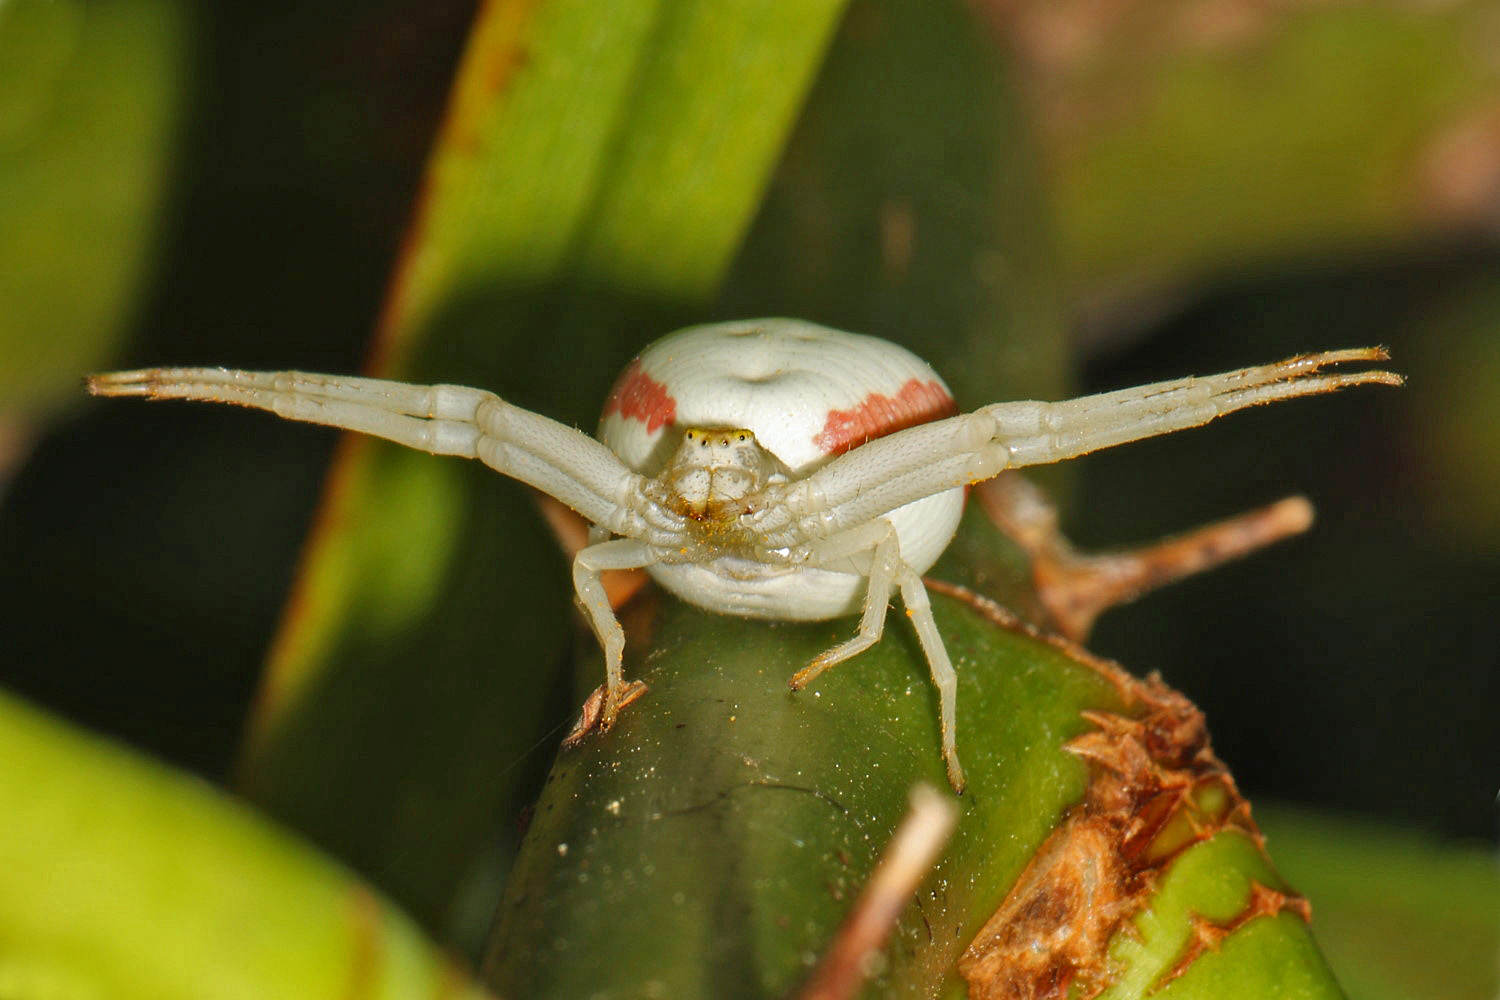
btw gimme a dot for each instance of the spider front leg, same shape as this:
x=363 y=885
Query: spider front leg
x=432 y=418
x=1040 y=433
x=559 y=460
x=878 y=541
x=921 y=461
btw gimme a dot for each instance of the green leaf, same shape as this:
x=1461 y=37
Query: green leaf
x=1401 y=916
x=595 y=172
x=89 y=100
x=909 y=206
x=736 y=820
x=1181 y=150
x=123 y=879
x=1269 y=956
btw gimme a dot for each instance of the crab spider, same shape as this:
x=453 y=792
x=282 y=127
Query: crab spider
x=767 y=468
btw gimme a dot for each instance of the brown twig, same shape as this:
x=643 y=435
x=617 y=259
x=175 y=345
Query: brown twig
x=1075 y=588
x=910 y=855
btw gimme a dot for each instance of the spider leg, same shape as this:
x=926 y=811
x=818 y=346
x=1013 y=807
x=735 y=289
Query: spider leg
x=887 y=568
x=568 y=464
x=437 y=419
x=908 y=465
x=878 y=540
x=621 y=553
x=1039 y=433
x=944 y=677
x=442 y=419
x=876 y=478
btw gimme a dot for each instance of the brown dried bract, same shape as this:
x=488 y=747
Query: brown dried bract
x=1074 y=587
x=1155 y=789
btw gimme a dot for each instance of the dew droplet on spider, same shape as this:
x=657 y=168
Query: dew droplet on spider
x=768 y=468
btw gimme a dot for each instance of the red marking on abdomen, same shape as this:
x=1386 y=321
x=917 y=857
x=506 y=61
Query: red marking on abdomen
x=638 y=396
x=877 y=415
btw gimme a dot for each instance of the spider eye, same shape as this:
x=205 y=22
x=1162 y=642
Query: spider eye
x=743 y=436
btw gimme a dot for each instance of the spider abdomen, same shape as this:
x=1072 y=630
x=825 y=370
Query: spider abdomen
x=806 y=393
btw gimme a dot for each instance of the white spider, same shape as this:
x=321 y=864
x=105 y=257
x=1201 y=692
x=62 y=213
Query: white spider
x=768 y=468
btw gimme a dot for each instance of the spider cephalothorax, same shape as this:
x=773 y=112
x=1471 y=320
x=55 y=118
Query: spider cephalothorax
x=714 y=474
x=768 y=468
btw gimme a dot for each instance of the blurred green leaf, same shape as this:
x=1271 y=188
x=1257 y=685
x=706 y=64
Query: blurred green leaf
x=90 y=95
x=1401 y=916
x=909 y=206
x=122 y=879
x=596 y=170
x=1184 y=141
x=1456 y=357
